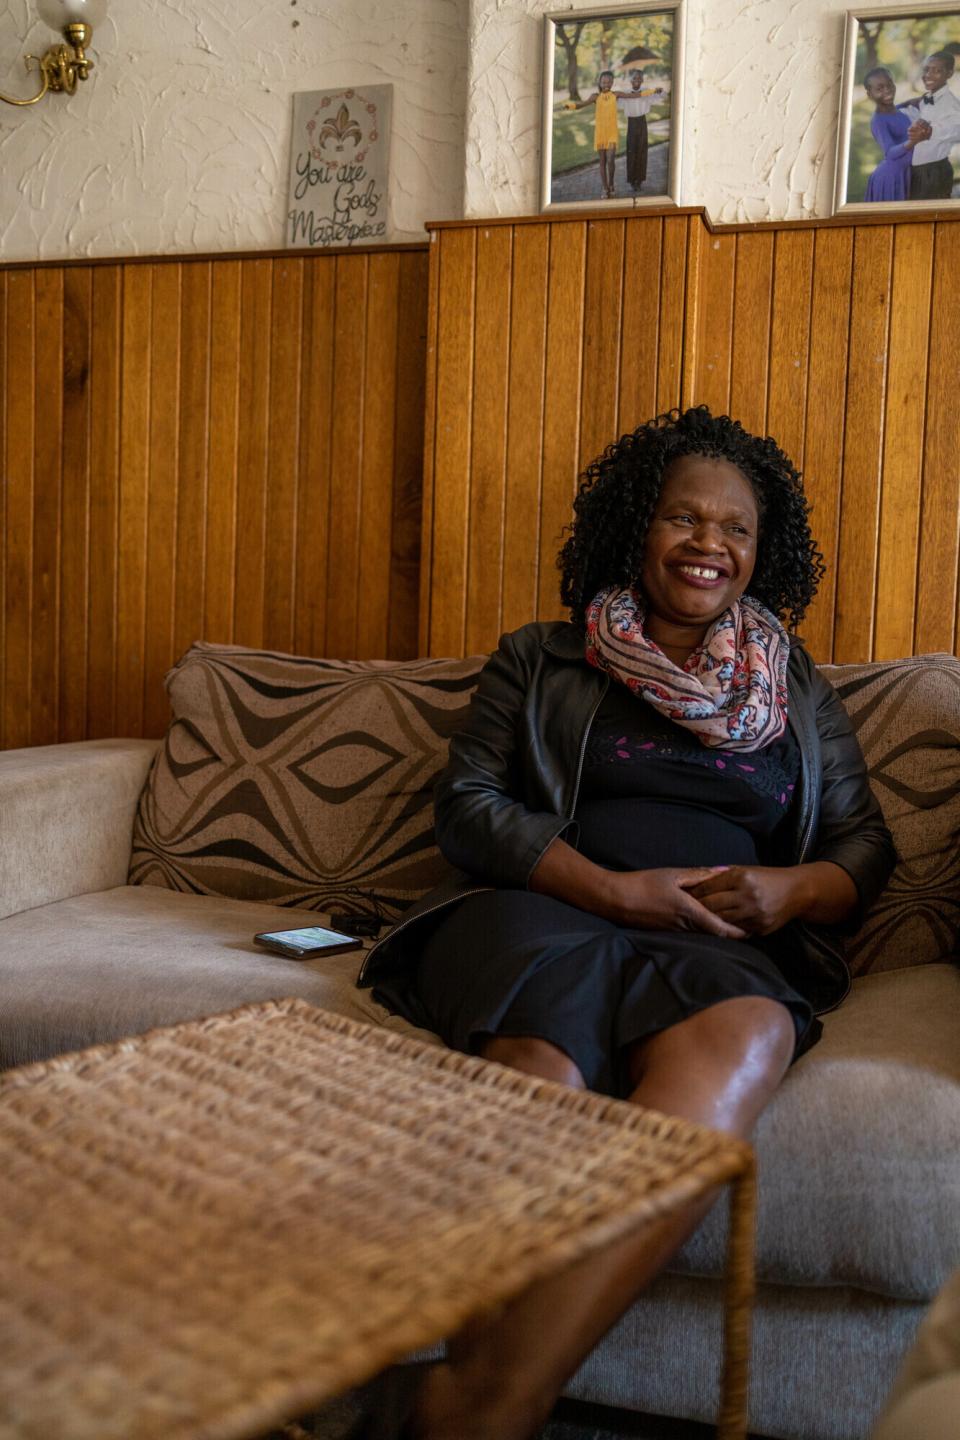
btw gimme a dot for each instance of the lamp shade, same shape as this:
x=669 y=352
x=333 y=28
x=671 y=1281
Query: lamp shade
x=60 y=13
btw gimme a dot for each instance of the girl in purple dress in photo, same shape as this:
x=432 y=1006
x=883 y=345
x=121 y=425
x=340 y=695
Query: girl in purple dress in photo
x=890 y=128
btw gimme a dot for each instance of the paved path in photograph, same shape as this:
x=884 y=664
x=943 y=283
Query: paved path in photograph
x=584 y=183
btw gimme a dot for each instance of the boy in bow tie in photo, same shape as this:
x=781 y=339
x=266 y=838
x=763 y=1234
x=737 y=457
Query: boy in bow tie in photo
x=935 y=129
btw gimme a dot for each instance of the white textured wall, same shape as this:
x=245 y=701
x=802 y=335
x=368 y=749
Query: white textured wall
x=762 y=98
x=179 y=140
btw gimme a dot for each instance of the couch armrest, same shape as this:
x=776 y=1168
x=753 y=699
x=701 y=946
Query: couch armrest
x=66 y=819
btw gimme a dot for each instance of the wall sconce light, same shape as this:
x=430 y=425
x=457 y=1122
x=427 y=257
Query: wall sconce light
x=63 y=65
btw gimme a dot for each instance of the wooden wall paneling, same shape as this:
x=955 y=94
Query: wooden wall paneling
x=637 y=401
x=937 y=624
x=105 y=430
x=713 y=357
x=528 y=337
x=673 y=296
x=492 y=387
x=566 y=297
x=750 y=321
x=790 y=341
x=256 y=297
x=135 y=375
x=313 y=550
x=863 y=443
x=452 y=429
x=826 y=418
x=377 y=456
x=4 y=435
x=75 y=522
x=19 y=472
x=283 y=443
x=193 y=451
x=47 y=484
x=409 y=458
x=223 y=448
x=343 y=571
x=899 y=536
x=602 y=338
x=162 y=494
x=431 y=382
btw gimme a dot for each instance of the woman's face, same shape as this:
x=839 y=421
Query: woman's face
x=702 y=542
x=881 y=90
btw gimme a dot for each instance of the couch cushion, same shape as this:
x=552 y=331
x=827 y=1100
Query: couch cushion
x=859 y=1151
x=907 y=717
x=98 y=967
x=300 y=782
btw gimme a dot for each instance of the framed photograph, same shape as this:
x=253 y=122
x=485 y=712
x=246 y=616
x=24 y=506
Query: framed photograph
x=898 y=140
x=612 y=106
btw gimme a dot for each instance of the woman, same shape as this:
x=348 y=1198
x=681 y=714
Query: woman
x=891 y=128
x=661 y=818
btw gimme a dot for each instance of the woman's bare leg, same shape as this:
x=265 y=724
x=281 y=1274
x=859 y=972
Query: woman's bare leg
x=504 y=1372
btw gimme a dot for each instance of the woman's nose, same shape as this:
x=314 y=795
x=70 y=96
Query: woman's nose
x=707 y=536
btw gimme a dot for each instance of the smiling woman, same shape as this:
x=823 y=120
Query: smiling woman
x=650 y=806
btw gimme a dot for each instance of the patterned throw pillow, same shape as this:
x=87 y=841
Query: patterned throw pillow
x=907 y=717
x=298 y=781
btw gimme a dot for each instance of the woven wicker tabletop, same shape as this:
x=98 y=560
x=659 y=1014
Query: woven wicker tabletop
x=215 y=1227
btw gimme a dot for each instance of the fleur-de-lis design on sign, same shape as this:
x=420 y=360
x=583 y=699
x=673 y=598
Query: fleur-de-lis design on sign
x=340 y=130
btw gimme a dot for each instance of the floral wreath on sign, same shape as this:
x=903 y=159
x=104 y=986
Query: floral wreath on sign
x=326 y=130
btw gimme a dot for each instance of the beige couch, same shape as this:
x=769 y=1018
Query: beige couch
x=306 y=784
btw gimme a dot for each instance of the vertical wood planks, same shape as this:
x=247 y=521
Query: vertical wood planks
x=528 y=325
x=163 y=478
x=937 y=624
x=283 y=444
x=826 y=417
x=104 y=386
x=750 y=325
x=48 y=463
x=566 y=296
x=19 y=477
x=903 y=441
x=715 y=332
x=453 y=422
x=74 y=552
x=135 y=342
x=177 y=438
x=863 y=443
x=492 y=387
x=223 y=452
x=193 y=452
x=790 y=341
x=377 y=456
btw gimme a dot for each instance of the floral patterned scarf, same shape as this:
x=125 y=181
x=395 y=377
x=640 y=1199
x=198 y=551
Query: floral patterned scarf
x=732 y=691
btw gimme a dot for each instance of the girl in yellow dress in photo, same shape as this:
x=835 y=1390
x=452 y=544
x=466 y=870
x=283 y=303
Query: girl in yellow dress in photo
x=606 y=131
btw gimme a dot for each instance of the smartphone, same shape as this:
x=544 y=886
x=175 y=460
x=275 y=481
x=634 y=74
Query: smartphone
x=312 y=940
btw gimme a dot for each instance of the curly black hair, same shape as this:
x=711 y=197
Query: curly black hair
x=619 y=491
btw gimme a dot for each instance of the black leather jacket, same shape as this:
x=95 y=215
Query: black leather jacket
x=510 y=788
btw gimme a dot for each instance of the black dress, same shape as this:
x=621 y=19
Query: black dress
x=512 y=962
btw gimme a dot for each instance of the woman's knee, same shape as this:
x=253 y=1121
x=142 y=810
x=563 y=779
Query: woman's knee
x=750 y=1038
x=534 y=1057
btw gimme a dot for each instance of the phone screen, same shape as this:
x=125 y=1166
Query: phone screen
x=310 y=940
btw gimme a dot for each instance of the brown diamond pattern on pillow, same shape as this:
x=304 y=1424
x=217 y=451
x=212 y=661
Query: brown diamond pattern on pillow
x=299 y=781
x=907 y=717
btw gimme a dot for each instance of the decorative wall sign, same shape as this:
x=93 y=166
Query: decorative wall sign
x=339 y=158
x=612 y=105
x=898 y=140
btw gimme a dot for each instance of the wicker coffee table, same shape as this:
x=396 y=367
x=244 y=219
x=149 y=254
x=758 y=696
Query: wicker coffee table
x=212 y=1228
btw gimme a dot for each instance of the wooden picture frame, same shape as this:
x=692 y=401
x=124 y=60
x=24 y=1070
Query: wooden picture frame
x=627 y=152
x=891 y=59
